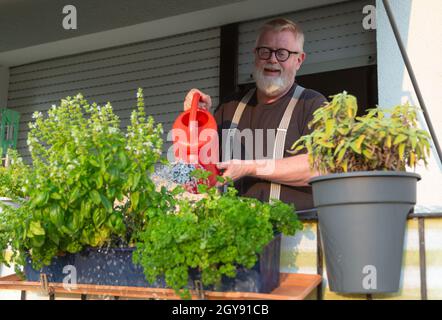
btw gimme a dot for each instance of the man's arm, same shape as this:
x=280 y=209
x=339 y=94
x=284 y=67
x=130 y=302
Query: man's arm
x=292 y=171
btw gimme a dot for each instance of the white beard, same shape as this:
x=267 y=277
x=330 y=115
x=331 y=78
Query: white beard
x=272 y=86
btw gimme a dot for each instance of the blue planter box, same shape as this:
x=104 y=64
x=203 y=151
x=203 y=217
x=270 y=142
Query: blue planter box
x=54 y=271
x=114 y=267
x=263 y=277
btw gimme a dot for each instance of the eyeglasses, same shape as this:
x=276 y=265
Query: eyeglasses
x=281 y=54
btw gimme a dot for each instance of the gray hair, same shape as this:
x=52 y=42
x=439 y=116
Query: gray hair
x=282 y=24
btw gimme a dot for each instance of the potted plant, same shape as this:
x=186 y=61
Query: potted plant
x=363 y=194
x=83 y=165
x=226 y=242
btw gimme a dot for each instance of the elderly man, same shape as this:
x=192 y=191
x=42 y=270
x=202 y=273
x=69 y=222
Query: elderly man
x=277 y=104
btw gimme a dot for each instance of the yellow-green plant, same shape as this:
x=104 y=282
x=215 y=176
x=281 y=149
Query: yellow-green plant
x=379 y=140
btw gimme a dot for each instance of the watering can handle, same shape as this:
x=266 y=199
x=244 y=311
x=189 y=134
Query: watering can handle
x=194 y=108
x=193 y=125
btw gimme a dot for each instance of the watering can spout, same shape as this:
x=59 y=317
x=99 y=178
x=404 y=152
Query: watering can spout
x=195 y=139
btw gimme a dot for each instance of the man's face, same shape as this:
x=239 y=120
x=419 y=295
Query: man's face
x=274 y=77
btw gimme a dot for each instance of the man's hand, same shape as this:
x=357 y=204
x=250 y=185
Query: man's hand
x=236 y=169
x=205 y=100
x=292 y=171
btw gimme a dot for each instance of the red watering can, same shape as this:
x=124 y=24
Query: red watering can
x=195 y=139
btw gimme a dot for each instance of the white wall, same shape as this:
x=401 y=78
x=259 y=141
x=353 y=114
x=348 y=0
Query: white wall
x=420 y=25
x=4 y=84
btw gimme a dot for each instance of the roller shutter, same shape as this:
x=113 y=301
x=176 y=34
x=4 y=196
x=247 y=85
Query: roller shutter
x=334 y=39
x=166 y=68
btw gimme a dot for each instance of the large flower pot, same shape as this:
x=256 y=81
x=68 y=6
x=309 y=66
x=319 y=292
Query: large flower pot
x=362 y=218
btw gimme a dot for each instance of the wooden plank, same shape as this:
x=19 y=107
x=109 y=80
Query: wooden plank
x=319 y=261
x=11 y=277
x=422 y=259
x=292 y=287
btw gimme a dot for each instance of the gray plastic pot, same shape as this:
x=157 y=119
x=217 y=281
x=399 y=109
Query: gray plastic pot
x=362 y=218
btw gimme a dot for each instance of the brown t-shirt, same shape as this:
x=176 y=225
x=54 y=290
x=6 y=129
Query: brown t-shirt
x=268 y=116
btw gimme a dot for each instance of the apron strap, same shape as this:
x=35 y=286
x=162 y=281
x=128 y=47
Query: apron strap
x=228 y=153
x=278 y=150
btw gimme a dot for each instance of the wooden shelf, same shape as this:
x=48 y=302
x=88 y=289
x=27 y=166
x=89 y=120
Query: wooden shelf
x=293 y=286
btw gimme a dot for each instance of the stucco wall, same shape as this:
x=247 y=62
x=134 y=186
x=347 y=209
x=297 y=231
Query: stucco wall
x=420 y=26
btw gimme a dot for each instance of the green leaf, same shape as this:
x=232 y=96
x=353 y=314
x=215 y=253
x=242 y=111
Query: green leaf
x=94 y=162
x=136 y=180
x=367 y=153
x=412 y=159
x=388 y=142
x=38 y=241
x=40 y=199
x=99 y=181
x=413 y=141
x=179 y=189
x=343 y=131
x=95 y=196
x=202 y=188
x=65 y=230
x=339 y=146
x=341 y=154
x=99 y=217
x=297 y=149
x=53 y=235
x=400 y=138
x=123 y=159
x=56 y=215
x=55 y=196
x=85 y=209
x=74 y=194
x=114 y=174
x=326 y=144
x=36 y=229
x=356 y=145
x=221 y=179
x=401 y=150
x=106 y=203
x=329 y=125
x=102 y=164
x=344 y=165
x=134 y=197
x=77 y=220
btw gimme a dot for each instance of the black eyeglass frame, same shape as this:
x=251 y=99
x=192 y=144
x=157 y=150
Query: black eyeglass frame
x=276 y=53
